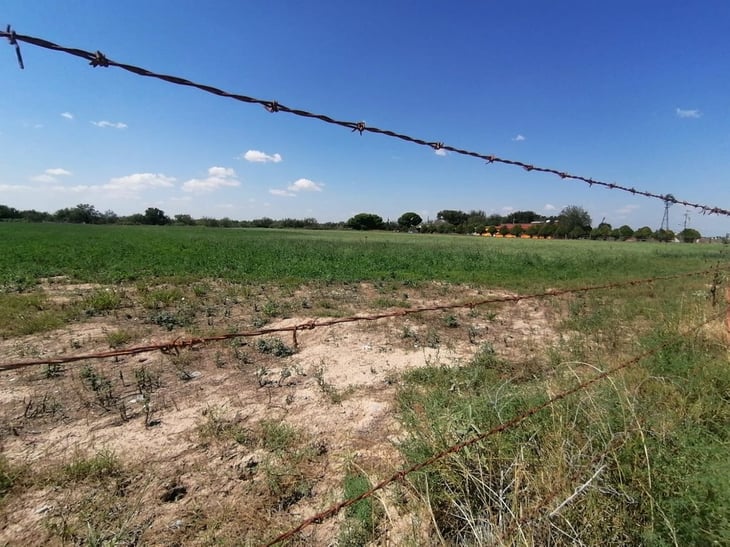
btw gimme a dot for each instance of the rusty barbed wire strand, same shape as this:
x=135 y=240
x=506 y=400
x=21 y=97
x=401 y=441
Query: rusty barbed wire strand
x=509 y=424
x=98 y=59
x=176 y=345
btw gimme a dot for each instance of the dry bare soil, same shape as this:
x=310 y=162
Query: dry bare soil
x=230 y=442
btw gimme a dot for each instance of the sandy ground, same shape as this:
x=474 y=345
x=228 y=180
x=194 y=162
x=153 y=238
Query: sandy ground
x=337 y=390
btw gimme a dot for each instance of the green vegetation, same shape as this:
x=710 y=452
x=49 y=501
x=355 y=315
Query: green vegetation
x=645 y=450
x=113 y=254
x=637 y=458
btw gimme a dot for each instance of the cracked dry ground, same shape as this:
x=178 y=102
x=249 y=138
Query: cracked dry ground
x=231 y=441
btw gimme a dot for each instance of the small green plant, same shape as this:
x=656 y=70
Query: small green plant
x=53 y=370
x=332 y=393
x=161 y=297
x=147 y=380
x=361 y=517
x=274 y=346
x=118 y=338
x=451 y=321
x=102 y=301
x=100 y=385
x=277 y=436
x=8 y=476
x=103 y=464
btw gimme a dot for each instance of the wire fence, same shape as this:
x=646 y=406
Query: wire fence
x=182 y=343
x=98 y=59
x=509 y=424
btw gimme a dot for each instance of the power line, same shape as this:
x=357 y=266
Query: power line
x=98 y=59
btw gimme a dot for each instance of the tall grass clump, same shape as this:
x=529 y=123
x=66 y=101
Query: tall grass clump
x=638 y=458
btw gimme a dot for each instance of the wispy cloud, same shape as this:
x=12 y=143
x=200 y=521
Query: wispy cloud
x=256 y=156
x=519 y=138
x=49 y=175
x=694 y=113
x=281 y=193
x=305 y=185
x=140 y=181
x=115 y=125
x=67 y=115
x=218 y=177
x=13 y=187
x=549 y=207
x=440 y=152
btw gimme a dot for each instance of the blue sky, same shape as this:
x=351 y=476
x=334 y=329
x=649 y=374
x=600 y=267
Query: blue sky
x=636 y=92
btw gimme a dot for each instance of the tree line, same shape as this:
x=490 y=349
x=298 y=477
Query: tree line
x=573 y=222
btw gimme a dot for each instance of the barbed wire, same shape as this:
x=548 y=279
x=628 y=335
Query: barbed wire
x=509 y=424
x=174 y=346
x=98 y=59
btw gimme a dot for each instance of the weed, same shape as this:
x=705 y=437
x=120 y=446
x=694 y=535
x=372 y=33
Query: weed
x=451 y=321
x=361 y=518
x=100 y=385
x=336 y=397
x=274 y=346
x=101 y=301
x=277 y=436
x=102 y=465
x=118 y=338
x=161 y=297
x=53 y=370
x=147 y=381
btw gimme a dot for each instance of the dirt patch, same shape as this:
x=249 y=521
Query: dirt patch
x=240 y=426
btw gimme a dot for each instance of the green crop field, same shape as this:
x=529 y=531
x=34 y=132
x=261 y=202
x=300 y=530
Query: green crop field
x=233 y=442
x=112 y=254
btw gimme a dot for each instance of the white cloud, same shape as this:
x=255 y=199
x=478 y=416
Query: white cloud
x=256 y=156
x=12 y=187
x=67 y=115
x=519 y=138
x=57 y=171
x=43 y=178
x=218 y=177
x=305 y=185
x=115 y=125
x=508 y=208
x=49 y=175
x=140 y=181
x=549 y=207
x=688 y=113
x=281 y=193
x=440 y=152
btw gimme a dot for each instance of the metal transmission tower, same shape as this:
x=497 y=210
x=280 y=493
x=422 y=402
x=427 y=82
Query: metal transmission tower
x=668 y=202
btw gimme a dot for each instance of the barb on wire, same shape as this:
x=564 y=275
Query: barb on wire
x=98 y=59
x=514 y=422
x=181 y=343
x=13 y=39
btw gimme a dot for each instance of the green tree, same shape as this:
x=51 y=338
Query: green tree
x=572 y=217
x=184 y=220
x=663 y=235
x=8 y=212
x=625 y=232
x=492 y=229
x=453 y=217
x=503 y=230
x=155 y=217
x=409 y=220
x=689 y=235
x=365 y=221
x=517 y=230
x=643 y=233
x=602 y=231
